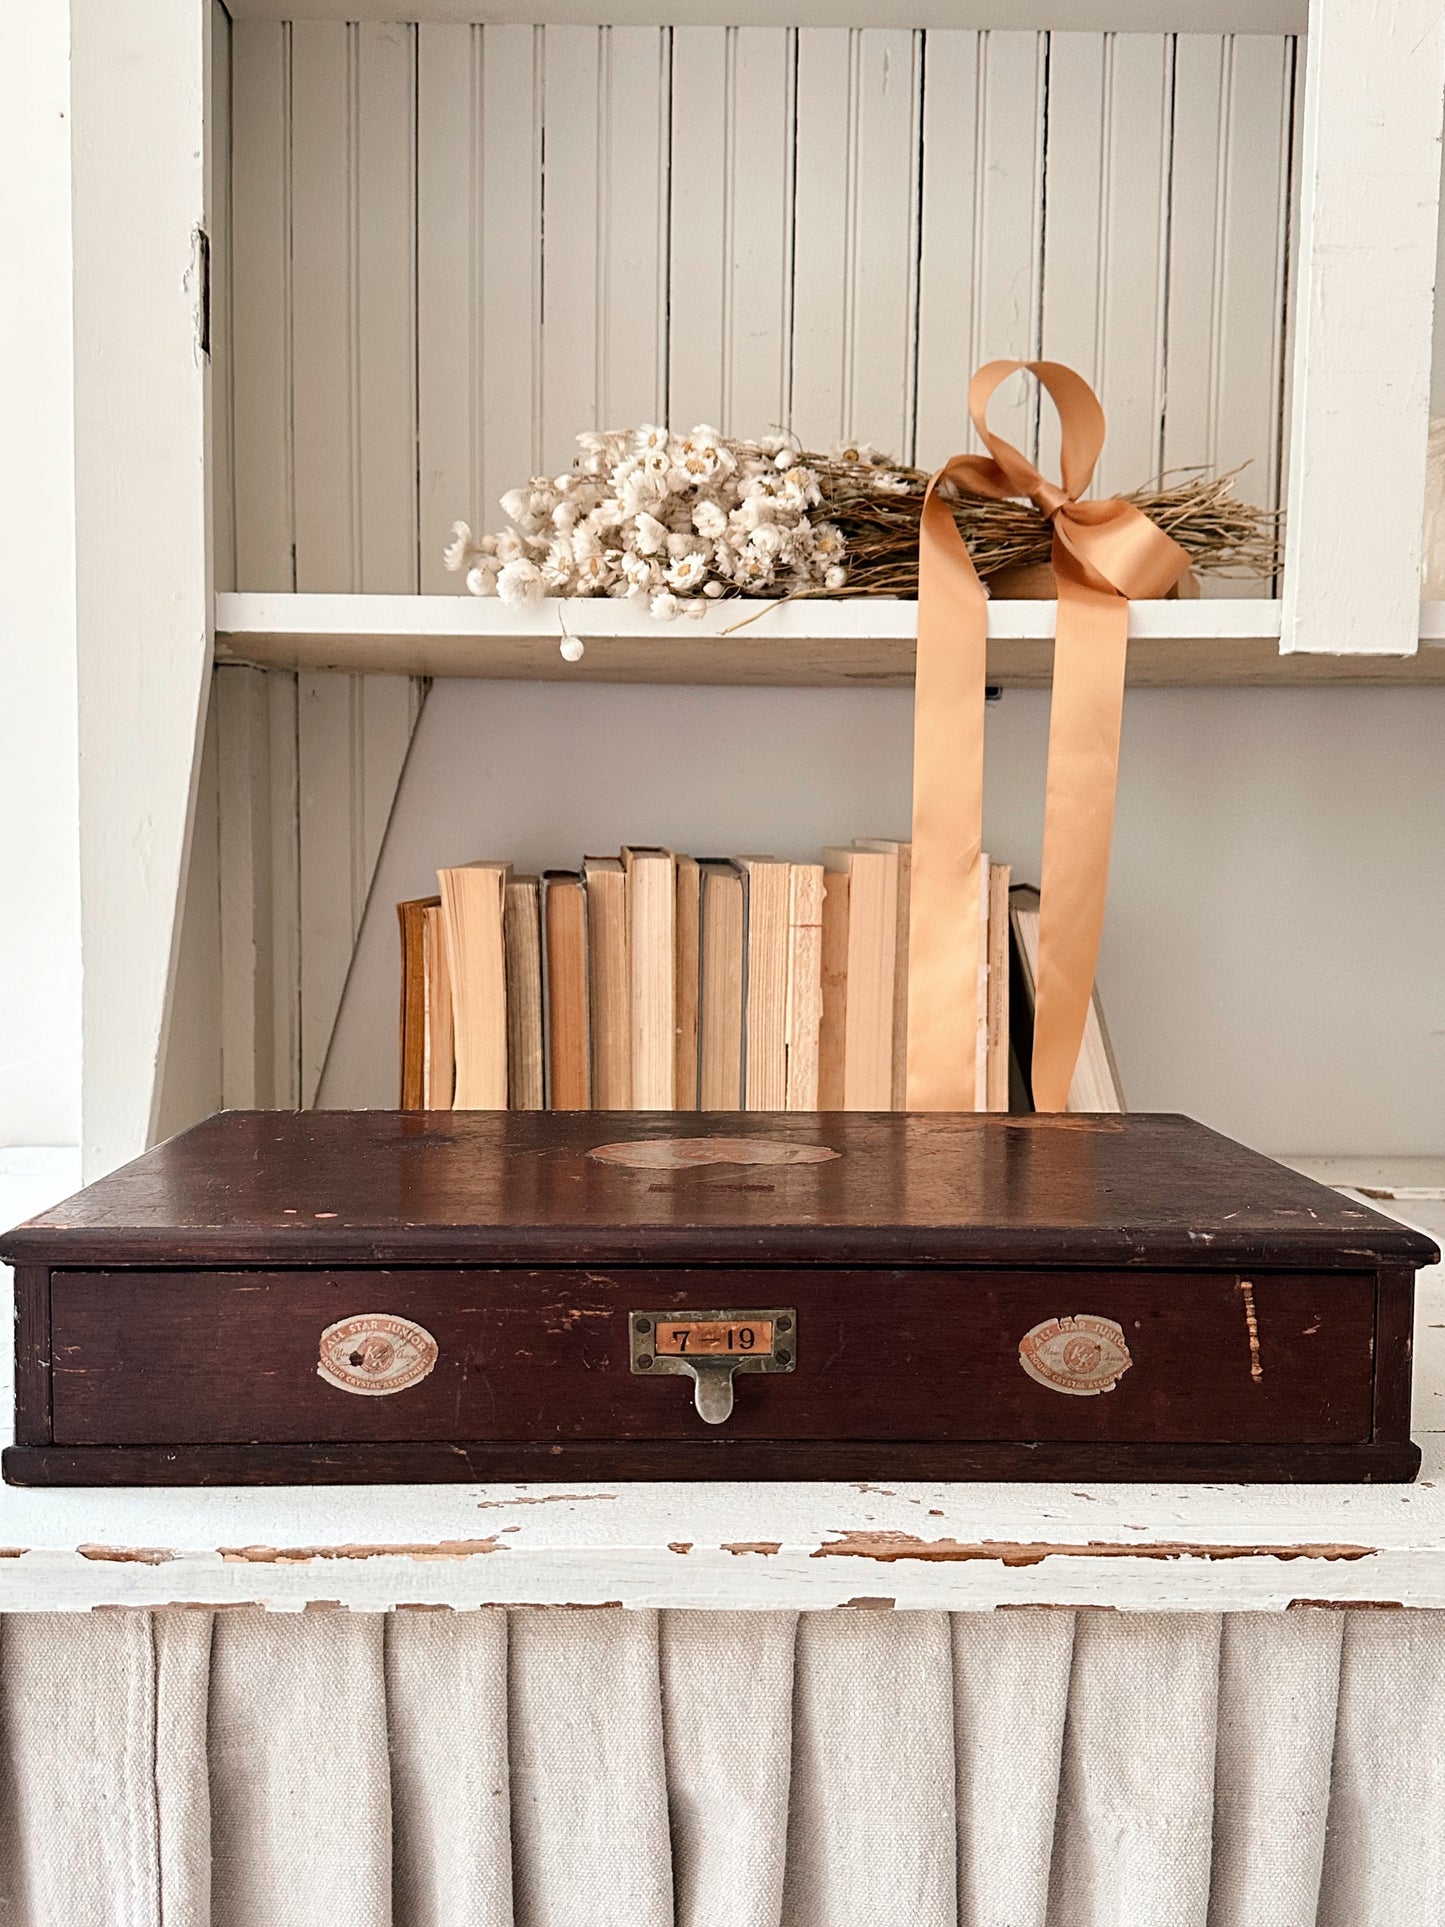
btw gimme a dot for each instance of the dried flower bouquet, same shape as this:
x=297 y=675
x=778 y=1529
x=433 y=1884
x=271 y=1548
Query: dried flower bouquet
x=679 y=520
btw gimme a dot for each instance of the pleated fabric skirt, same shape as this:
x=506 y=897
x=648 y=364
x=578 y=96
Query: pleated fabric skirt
x=601 y=1768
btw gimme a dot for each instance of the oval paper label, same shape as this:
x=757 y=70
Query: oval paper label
x=1080 y=1354
x=680 y=1153
x=375 y=1353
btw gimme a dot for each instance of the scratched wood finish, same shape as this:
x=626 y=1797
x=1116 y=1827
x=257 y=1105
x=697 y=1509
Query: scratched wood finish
x=527 y=1354
x=484 y=1461
x=184 y=1297
x=32 y=1355
x=386 y=1187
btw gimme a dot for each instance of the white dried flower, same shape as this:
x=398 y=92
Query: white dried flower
x=651 y=534
x=751 y=570
x=665 y=606
x=835 y=578
x=688 y=573
x=643 y=577
x=594 y=573
x=460 y=551
x=641 y=490
x=709 y=518
x=675 y=519
x=559 y=566
x=863 y=452
x=520 y=583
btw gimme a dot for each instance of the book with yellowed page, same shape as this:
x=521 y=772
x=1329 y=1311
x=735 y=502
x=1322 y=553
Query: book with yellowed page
x=411 y=919
x=651 y=940
x=904 y=853
x=720 y=985
x=439 y=1066
x=996 y=1069
x=687 y=926
x=472 y=898
x=609 y=983
x=804 y=1016
x=564 y=980
x=765 y=973
x=522 y=939
x=1095 y=1084
x=872 y=960
x=834 y=961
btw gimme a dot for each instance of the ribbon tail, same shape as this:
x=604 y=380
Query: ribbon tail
x=948 y=711
x=1090 y=649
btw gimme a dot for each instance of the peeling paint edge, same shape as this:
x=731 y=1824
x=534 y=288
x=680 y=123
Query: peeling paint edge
x=887 y=1548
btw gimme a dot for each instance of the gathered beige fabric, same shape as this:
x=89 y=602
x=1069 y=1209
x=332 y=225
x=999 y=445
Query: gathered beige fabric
x=865 y=1768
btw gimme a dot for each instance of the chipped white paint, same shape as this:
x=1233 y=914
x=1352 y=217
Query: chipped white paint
x=1139 y=1548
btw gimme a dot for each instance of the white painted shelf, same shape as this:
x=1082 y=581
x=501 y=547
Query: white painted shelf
x=821 y=643
x=956 y=1547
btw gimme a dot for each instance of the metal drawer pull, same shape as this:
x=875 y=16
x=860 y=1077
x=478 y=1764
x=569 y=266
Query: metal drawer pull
x=710 y=1347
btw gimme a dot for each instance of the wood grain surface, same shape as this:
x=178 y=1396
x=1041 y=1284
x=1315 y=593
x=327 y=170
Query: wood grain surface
x=387 y=1187
x=225 y=1357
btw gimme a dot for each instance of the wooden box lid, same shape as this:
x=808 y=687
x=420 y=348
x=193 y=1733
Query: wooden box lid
x=388 y=1187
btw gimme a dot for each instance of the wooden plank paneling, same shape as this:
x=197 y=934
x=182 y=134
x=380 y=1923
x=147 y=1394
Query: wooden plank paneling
x=634 y=140
x=825 y=152
x=825 y=229
x=1008 y=232
x=325 y=409
x=383 y=217
x=448 y=287
x=571 y=318
x=883 y=277
x=510 y=272
x=757 y=294
x=698 y=227
x=1106 y=237
x=1227 y=262
x=261 y=303
x=948 y=211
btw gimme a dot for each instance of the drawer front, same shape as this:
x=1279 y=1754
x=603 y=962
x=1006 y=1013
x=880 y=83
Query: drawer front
x=173 y=1358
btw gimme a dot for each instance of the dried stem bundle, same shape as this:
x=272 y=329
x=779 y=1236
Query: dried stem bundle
x=877 y=508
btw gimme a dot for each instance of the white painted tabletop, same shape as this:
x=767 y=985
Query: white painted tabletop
x=957 y=1547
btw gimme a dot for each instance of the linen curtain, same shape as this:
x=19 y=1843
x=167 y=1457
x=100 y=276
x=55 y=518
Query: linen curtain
x=596 y=1768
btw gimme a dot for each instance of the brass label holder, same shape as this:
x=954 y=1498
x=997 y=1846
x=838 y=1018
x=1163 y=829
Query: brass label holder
x=711 y=1347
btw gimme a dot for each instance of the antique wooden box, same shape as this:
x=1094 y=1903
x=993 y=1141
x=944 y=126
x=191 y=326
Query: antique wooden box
x=376 y=1296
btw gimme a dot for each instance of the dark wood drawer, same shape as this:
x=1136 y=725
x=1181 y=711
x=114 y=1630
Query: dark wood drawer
x=230 y=1356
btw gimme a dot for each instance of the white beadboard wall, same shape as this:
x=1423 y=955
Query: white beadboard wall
x=442 y=250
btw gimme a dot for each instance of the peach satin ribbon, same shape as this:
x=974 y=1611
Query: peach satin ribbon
x=1104 y=554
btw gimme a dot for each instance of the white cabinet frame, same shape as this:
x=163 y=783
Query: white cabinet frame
x=1368 y=200
x=143 y=521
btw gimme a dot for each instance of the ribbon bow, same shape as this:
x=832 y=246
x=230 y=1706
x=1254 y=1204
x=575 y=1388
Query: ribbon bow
x=1104 y=553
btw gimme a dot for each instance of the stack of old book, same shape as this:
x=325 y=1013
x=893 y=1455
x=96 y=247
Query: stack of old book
x=653 y=981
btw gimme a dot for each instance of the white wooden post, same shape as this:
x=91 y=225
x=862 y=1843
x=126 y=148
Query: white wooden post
x=39 y=800
x=143 y=591
x=1368 y=198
